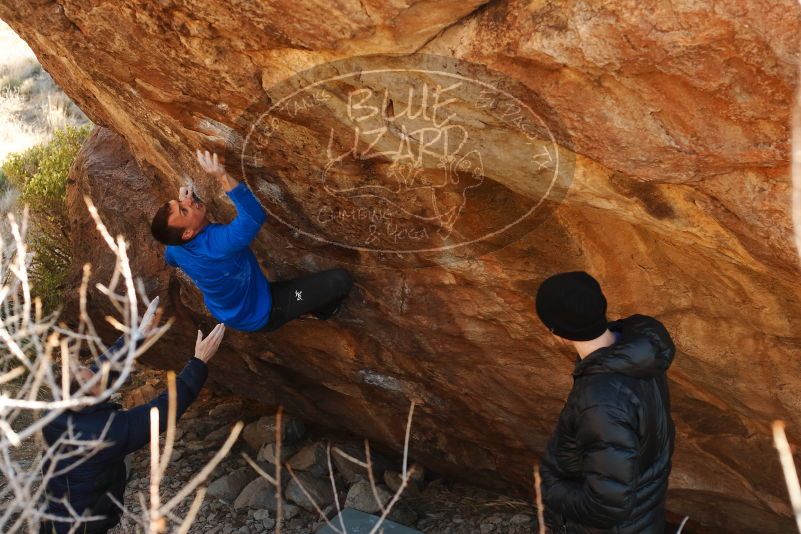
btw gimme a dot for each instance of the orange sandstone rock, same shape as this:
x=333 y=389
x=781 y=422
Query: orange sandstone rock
x=651 y=137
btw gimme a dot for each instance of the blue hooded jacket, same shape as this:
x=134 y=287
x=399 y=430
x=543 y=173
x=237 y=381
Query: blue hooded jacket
x=86 y=481
x=222 y=266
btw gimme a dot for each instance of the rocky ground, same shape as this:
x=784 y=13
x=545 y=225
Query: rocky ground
x=239 y=501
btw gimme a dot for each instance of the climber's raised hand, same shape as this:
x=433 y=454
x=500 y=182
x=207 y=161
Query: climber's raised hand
x=211 y=164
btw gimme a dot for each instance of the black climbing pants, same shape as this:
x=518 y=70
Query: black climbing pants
x=319 y=294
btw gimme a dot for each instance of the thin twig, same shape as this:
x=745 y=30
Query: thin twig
x=65 y=370
x=404 y=482
x=279 y=438
x=408 y=434
x=193 y=510
x=207 y=469
x=350 y=458
x=12 y=374
x=334 y=486
x=369 y=457
x=404 y=477
x=788 y=468
x=538 y=500
x=262 y=473
x=172 y=409
x=311 y=499
x=155 y=474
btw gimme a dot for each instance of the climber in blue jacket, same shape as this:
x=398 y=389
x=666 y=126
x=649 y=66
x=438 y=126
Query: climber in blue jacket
x=218 y=259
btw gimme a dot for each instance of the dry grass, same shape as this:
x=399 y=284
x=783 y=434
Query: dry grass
x=32 y=106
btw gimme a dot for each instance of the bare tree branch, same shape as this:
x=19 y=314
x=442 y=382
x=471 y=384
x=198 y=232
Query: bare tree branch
x=788 y=468
x=538 y=500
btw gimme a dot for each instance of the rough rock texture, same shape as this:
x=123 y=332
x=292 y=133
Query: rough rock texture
x=319 y=489
x=671 y=119
x=361 y=497
x=228 y=487
x=259 y=493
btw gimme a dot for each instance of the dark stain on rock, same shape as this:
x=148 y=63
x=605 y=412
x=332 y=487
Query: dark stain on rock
x=649 y=195
x=498 y=12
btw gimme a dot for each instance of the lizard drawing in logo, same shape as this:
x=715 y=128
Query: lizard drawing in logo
x=422 y=174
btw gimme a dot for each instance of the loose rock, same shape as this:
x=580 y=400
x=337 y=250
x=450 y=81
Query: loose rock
x=260 y=493
x=262 y=431
x=353 y=472
x=520 y=519
x=393 y=480
x=290 y=511
x=311 y=458
x=403 y=514
x=219 y=435
x=318 y=489
x=267 y=452
x=225 y=411
x=361 y=497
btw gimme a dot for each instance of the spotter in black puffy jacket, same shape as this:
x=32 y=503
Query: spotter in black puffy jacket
x=607 y=464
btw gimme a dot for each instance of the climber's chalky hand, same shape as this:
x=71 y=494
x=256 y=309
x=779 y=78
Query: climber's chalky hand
x=211 y=164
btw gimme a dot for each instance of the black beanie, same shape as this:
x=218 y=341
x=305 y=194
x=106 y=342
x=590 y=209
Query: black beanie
x=572 y=306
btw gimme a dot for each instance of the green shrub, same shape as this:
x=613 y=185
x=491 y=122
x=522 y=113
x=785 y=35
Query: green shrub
x=40 y=174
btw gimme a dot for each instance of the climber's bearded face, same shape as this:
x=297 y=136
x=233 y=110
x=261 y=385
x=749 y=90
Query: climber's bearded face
x=188 y=214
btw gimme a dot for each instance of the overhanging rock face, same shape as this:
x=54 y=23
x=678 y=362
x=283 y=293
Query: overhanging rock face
x=454 y=154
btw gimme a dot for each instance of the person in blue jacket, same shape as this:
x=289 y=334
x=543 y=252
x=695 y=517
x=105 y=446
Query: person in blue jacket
x=85 y=483
x=218 y=259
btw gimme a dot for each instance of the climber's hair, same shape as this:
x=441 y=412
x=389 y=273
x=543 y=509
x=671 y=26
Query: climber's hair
x=162 y=231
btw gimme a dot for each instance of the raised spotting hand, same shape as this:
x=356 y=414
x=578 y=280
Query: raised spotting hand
x=205 y=349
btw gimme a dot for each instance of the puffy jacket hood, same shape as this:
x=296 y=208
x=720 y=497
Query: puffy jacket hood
x=643 y=349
